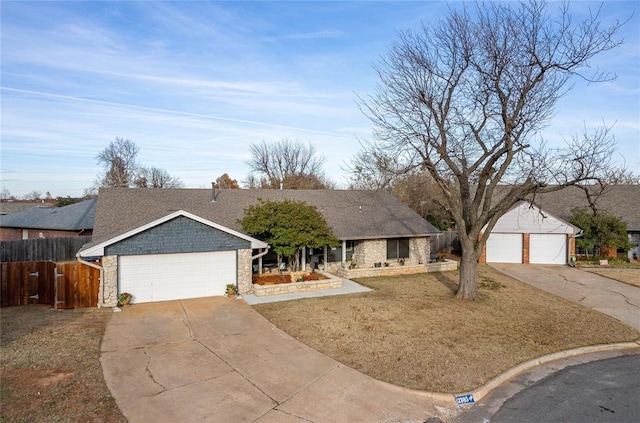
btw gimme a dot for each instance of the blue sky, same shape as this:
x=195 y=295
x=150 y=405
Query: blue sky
x=193 y=84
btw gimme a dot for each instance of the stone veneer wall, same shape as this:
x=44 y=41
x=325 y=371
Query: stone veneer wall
x=244 y=271
x=445 y=266
x=290 y=288
x=419 y=250
x=108 y=294
x=370 y=251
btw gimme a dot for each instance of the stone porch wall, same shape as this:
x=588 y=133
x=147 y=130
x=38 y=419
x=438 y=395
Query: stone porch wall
x=108 y=294
x=295 y=287
x=447 y=265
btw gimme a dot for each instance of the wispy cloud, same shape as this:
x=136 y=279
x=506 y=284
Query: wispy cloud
x=195 y=83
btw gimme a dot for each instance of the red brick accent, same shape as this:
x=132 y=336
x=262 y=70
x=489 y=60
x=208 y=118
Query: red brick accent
x=525 y=248
x=483 y=255
x=606 y=251
x=572 y=246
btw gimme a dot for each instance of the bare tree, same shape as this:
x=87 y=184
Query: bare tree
x=119 y=159
x=5 y=194
x=153 y=177
x=121 y=169
x=286 y=162
x=466 y=99
x=33 y=195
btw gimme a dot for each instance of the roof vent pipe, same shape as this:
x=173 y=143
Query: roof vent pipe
x=213 y=192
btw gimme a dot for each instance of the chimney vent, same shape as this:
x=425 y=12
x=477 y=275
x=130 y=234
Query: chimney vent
x=213 y=192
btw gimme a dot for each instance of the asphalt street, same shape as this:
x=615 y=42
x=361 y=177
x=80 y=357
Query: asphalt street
x=600 y=391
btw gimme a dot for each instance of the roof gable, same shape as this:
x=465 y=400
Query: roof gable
x=98 y=248
x=529 y=218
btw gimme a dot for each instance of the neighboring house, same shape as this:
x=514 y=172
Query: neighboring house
x=165 y=244
x=526 y=234
x=622 y=201
x=14 y=206
x=49 y=222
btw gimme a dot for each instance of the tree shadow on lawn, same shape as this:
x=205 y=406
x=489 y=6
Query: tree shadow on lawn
x=447 y=279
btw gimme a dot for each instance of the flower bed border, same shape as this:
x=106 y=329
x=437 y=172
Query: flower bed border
x=332 y=282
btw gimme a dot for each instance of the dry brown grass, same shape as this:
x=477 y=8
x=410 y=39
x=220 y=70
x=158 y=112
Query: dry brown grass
x=411 y=331
x=50 y=368
x=629 y=276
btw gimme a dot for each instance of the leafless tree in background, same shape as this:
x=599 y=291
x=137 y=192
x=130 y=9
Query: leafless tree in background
x=119 y=160
x=465 y=100
x=153 y=177
x=121 y=169
x=286 y=162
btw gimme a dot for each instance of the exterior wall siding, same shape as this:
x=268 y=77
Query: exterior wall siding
x=179 y=235
x=524 y=219
x=370 y=251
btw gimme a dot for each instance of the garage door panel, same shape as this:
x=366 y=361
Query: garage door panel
x=504 y=248
x=163 y=277
x=547 y=249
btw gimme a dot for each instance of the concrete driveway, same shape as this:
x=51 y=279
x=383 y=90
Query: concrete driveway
x=617 y=299
x=217 y=360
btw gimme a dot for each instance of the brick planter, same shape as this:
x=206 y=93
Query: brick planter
x=332 y=282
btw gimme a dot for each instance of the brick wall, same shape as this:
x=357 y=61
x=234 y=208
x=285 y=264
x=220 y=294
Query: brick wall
x=526 y=248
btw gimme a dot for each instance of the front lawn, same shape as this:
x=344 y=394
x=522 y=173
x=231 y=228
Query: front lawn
x=50 y=366
x=411 y=331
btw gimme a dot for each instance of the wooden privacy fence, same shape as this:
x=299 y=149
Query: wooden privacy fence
x=446 y=242
x=54 y=249
x=62 y=285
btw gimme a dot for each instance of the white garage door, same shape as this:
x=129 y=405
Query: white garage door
x=548 y=248
x=504 y=248
x=162 y=277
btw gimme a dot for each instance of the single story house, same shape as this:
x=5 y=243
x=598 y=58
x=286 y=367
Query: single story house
x=527 y=234
x=49 y=222
x=165 y=244
x=622 y=201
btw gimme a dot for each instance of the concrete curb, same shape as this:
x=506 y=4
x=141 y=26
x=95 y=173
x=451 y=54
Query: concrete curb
x=494 y=383
x=478 y=394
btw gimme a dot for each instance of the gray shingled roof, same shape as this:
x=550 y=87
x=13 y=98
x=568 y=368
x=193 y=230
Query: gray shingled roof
x=352 y=214
x=622 y=201
x=9 y=207
x=74 y=217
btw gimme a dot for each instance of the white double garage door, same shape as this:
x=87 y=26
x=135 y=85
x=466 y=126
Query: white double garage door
x=164 y=277
x=543 y=248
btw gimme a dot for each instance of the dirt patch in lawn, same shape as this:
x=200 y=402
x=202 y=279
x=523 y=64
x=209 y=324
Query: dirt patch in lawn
x=50 y=366
x=412 y=332
x=629 y=276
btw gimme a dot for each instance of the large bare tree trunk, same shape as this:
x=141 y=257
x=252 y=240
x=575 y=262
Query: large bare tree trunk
x=468 y=287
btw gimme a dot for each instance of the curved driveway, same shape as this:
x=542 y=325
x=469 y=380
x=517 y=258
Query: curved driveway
x=216 y=359
x=617 y=299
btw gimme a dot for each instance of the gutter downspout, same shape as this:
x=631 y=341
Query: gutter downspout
x=95 y=266
x=259 y=255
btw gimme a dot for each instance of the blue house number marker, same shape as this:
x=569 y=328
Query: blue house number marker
x=465 y=399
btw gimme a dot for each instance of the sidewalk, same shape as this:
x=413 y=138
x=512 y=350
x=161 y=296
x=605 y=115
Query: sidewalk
x=348 y=287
